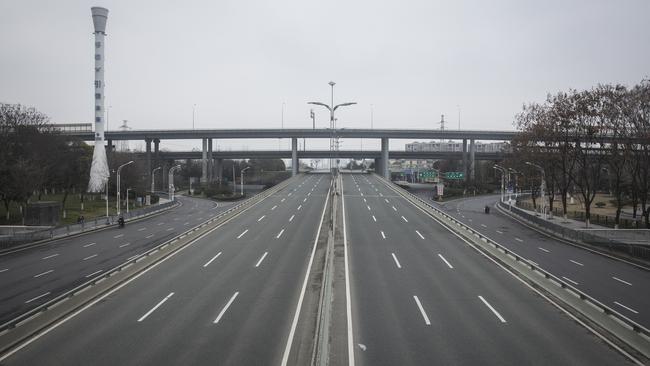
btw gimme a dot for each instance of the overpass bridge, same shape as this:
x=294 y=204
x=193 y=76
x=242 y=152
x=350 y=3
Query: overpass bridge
x=468 y=154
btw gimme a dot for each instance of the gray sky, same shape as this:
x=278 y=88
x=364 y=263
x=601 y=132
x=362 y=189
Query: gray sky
x=240 y=60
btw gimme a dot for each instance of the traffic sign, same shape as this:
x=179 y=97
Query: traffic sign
x=428 y=174
x=454 y=175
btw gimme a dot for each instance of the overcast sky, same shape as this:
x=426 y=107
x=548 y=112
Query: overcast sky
x=239 y=61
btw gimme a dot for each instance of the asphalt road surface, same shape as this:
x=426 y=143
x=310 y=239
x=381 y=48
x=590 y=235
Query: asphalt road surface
x=226 y=299
x=421 y=296
x=33 y=276
x=623 y=287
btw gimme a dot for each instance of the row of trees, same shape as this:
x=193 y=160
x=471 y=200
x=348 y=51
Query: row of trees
x=588 y=139
x=33 y=157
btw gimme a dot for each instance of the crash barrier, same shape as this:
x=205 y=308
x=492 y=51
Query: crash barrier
x=638 y=339
x=163 y=250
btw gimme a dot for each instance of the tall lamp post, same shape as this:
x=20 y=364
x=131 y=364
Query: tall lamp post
x=516 y=173
x=118 y=184
x=153 y=178
x=171 y=181
x=332 y=108
x=242 y=179
x=542 y=188
x=193 y=114
x=503 y=174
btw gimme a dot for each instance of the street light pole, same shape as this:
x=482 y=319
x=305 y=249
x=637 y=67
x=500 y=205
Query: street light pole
x=503 y=172
x=332 y=108
x=242 y=180
x=153 y=178
x=118 y=184
x=193 y=113
x=171 y=182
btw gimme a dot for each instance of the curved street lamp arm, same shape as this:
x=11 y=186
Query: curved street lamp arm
x=345 y=105
x=322 y=104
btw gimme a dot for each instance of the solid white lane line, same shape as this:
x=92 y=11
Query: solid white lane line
x=533 y=262
x=37 y=297
x=242 y=234
x=544 y=250
x=274 y=207
x=500 y=232
x=44 y=273
x=578 y=263
x=212 y=259
x=118 y=236
x=299 y=207
x=148 y=236
x=223 y=311
x=261 y=259
x=90 y=256
x=444 y=260
x=280 y=234
x=394 y=209
x=404 y=218
x=124 y=245
x=155 y=307
x=50 y=256
x=89 y=245
x=382 y=235
x=291 y=218
x=292 y=331
x=625 y=307
x=94 y=273
x=374 y=218
x=519 y=240
x=396 y=261
x=142 y=228
x=491 y=308
x=424 y=314
x=620 y=280
x=570 y=280
x=483 y=225
x=420 y=235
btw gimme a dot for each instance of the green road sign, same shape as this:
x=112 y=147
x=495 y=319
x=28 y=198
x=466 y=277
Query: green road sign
x=454 y=175
x=428 y=174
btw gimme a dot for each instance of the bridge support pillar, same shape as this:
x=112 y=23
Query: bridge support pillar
x=109 y=145
x=472 y=150
x=218 y=166
x=156 y=153
x=294 y=156
x=210 y=163
x=378 y=167
x=147 y=143
x=385 y=167
x=465 y=159
x=204 y=162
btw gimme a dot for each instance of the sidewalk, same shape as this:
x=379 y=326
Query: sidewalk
x=632 y=242
x=20 y=238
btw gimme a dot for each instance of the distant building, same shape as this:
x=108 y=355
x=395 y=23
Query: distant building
x=456 y=146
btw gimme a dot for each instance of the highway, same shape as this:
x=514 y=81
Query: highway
x=614 y=283
x=421 y=296
x=228 y=298
x=33 y=276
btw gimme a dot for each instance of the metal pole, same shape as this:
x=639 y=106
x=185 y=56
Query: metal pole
x=127 y=200
x=193 y=113
x=106 y=200
x=119 y=169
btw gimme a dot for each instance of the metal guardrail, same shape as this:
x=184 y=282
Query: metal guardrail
x=13 y=323
x=74 y=229
x=638 y=328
